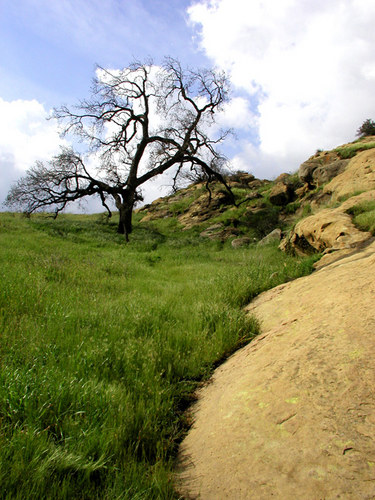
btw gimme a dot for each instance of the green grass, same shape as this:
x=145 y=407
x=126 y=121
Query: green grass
x=102 y=344
x=351 y=150
x=364 y=216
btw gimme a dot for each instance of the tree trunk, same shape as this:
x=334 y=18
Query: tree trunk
x=125 y=221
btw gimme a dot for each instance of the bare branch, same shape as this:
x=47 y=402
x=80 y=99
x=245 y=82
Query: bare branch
x=140 y=121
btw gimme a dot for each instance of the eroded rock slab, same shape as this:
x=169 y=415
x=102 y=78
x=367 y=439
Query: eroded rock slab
x=331 y=229
x=292 y=415
x=358 y=176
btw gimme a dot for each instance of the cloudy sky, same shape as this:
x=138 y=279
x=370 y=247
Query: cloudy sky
x=302 y=71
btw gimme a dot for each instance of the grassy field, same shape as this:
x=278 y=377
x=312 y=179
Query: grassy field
x=102 y=344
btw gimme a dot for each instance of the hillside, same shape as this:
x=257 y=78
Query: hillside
x=292 y=414
x=104 y=343
x=324 y=181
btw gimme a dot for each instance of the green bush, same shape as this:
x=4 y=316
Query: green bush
x=367 y=128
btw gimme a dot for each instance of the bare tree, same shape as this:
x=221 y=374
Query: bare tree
x=139 y=122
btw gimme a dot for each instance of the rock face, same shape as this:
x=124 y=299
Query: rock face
x=274 y=235
x=329 y=229
x=332 y=229
x=358 y=176
x=292 y=415
x=325 y=173
x=324 y=164
x=280 y=194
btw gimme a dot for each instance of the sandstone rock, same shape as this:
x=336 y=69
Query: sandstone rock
x=274 y=235
x=306 y=170
x=212 y=231
x=240 y=179
x=359 y=175
x=284 y=178
x=319 y=160
x=241 y=242
x=324 y=173
x=302 y=191
x=291 y=415
x=256 y=184
x=328 y=230
x=280 y=194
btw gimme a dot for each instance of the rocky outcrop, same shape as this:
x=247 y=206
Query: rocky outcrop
x=281 y=194
x=332 y=229
x=323 y=180
x=292 y=415
x=312 y=171
x=328 y=230
x=324 y=173
x=359 y=175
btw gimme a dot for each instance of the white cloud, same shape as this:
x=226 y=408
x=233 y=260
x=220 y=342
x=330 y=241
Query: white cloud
x=25 y=136
x=308 y=64
x=236 y=113
x=25 y=132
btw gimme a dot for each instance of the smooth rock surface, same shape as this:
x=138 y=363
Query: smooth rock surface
x=292 y=415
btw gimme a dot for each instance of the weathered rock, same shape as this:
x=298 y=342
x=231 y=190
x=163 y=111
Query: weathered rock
x=328 y=230
x=240 y=179
x=306 y=170
x=274 y=235
x=255 y=184
x=324 y=173
x=359 y=175
x=284 y=178
x=292 y=415
x=212 y=231
x=241 y=242
x=302 y=191
x=319 y=161
x=280 y=194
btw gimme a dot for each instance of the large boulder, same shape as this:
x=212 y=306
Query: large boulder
x=324 y=173
x=281 y=194
x=273 y=236
x=359 y=175
x=241 y=242
x=328 y=230
x=240 y=179
x=291 y=415
x=306 y=170
x=320 y=162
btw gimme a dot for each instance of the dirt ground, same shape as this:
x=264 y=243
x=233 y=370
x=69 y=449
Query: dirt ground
x=292 y=415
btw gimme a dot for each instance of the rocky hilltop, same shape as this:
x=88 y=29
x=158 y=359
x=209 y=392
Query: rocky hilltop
x=313 y=210
x=292 y=415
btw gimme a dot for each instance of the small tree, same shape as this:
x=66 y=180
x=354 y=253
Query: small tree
x=139 y=122
x=367 y=128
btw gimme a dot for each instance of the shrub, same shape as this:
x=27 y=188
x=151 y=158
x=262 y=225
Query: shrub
x=367 y=128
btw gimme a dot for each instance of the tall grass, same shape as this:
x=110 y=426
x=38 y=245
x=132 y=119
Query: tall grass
x=103 y=343
x=364 y=216
x=346 y=152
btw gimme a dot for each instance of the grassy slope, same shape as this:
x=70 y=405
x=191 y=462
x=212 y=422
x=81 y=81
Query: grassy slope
x=103 y=343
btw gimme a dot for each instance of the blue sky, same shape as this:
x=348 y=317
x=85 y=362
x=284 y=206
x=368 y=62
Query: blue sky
x=303 y=72
x=49 y=48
